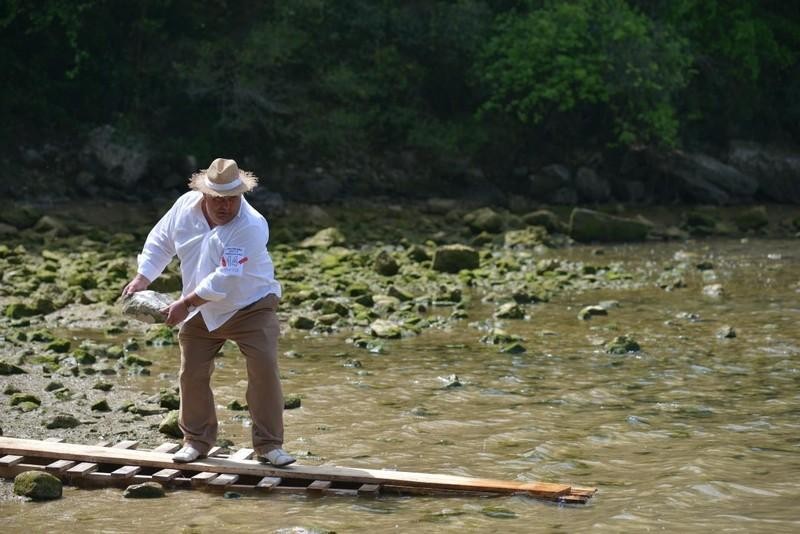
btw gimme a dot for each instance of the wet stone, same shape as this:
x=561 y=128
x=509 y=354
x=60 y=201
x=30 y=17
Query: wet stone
x=38 y=485
x=726 y=332
x=622 y=345
x=63 y=421
x=146 y=490
x=146 y=305
x=591 y=311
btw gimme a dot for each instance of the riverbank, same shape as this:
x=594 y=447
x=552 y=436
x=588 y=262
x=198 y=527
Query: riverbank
x=74 y=367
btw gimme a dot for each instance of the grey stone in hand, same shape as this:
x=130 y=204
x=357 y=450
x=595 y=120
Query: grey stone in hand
x=146 y=305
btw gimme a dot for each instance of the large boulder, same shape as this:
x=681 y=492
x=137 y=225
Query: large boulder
x=590 y=225
x=701 y=178
x=777 y=171
x=453 y=258
x=38 y=485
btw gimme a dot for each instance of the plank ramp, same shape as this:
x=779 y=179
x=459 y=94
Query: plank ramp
x=124 y=464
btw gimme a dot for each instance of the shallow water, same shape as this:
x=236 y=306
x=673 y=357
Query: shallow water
x=692 y=433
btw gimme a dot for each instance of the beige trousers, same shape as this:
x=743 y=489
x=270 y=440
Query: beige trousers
x=255 y=330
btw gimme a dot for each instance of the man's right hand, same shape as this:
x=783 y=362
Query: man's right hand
x=139 y=283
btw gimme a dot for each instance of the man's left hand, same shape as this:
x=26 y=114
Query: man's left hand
x=176 y=312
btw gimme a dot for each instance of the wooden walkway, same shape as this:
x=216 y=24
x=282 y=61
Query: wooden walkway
x=120 y=464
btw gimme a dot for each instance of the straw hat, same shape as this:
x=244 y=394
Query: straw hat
x=223 y=179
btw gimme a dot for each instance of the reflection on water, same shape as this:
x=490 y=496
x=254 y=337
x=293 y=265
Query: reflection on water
x=694 y=432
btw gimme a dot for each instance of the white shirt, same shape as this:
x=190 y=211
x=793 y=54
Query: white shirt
x=227 y=265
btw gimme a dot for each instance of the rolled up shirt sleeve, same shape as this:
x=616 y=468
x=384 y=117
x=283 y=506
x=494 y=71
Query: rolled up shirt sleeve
x=159 y=248
x=244 y=249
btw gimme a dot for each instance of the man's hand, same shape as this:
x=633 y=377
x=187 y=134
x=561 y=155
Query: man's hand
x=139 y=283
x=176 y=312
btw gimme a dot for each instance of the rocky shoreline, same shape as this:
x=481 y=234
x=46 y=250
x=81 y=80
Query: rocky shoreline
x=372 y=272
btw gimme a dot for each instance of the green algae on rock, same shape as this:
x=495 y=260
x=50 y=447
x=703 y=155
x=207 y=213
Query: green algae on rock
x=38 y=485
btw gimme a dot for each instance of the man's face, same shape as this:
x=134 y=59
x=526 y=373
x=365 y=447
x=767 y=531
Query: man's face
x=222 y=210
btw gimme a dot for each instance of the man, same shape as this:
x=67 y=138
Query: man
x=229 y=292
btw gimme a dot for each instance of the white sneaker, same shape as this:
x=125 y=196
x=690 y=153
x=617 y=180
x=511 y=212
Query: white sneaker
x=278 y=458
x=187 y=454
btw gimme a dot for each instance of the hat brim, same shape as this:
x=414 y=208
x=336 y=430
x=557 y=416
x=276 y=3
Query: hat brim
x=198 y=183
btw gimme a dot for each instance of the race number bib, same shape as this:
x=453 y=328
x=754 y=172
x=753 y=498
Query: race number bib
x=232 y=261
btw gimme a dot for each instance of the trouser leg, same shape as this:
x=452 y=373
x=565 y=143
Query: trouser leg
x=198 y=417
x=256 y=331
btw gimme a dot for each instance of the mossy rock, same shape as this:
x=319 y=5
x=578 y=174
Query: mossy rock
x=301 y=322
x=510 y=310
x=38 y=485
x=63 y=421
x=10 y=369
x=101 y=406
x=19 y=398
x=18 y=310
x=454 y=258
x=18 y=215
x=169 y=425
x=237 y=406
x=589 y=225
x=484 y=220
x=385 y=329
x=622 y=345
x=384 y=264
x=59 y=345
x=160 y=335
x=145 y=490
x=325 y=238
x=291 y=402
x=752 y=219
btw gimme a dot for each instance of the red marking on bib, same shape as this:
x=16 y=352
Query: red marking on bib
x=243 y=260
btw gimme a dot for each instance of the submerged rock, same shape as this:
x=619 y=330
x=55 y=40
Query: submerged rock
x=726 y=332
x=622 y=345
x=38 y=485
x=146 y=306
x=590 y=311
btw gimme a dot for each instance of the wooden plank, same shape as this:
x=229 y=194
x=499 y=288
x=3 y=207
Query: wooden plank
x=214 y=451
x=168 y=447
x=126 y=444
x=268 y=483
x=319 y=486
x=55 y=440
x=224 y=480
x=369 y=489
x=59 y=466
x=126 y=471
x=84 y=453
x=82 y=469
x=11 y=459
x=165 y=475
x=201 y=479
x=242 y=454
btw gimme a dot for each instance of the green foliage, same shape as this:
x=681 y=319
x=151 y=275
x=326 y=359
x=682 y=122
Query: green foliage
x=599 y=56
x=312 y=79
